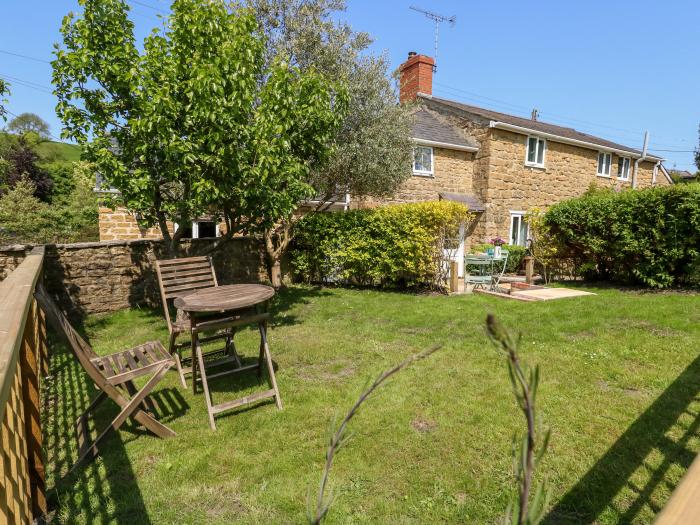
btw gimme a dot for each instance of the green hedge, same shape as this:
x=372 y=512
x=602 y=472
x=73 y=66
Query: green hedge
x=649 y=237
x=398 y=246
x=515 y=255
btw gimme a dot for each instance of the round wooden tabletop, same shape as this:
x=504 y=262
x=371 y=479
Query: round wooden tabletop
x=224 y=298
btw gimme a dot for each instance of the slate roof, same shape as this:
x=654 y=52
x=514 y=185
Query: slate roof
x=428 y=126
x=534 y=125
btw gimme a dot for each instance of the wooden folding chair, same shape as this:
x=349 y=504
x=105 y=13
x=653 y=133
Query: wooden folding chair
x=178 y=277
x=113 y=375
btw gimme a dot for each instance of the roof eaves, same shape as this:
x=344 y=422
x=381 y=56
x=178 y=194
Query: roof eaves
x=446 y=145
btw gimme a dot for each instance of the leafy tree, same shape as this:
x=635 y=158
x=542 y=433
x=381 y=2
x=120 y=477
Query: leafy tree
x=697 y=152
x=4 y=91
x=29 y=123
x=22 y=162
x=198 y=121
x=372 y=153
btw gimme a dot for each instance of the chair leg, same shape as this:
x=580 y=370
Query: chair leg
x=125 y=412
x=270 y=369
x=231 y=347
x=205 y=386
x=175 y=352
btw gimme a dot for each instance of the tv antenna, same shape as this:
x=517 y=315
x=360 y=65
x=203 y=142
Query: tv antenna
x=437 y=19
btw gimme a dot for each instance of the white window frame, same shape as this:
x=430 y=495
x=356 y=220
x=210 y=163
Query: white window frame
x=521 y=215
x=537 y=150
x=424 y=173
x=606 y=154
x=195 y=228
x=627 y=163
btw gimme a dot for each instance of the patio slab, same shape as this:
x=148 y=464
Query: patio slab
x=549 y=294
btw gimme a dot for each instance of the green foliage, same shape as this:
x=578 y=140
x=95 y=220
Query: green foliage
x=649 y=237
x=198 y=120
x=515 y=255
x=388 y=246
x=23 y=217
x=4 y=91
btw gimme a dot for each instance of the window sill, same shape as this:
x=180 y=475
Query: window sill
x=423 y=174
x=603 y=176
x=623 y=179
x=536 y=166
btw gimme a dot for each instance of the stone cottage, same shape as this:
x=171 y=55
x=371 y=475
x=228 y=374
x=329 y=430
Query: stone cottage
x=501 y=166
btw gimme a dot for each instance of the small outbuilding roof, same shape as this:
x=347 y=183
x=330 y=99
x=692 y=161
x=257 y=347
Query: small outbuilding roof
x=472 y=202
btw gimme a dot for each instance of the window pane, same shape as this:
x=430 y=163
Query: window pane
x=427 y=159
x=522 y=237
x=515 y=229
x=422 y=160
x=531 y=149
x=600 y=163
x=540 y=151
x=206 y=229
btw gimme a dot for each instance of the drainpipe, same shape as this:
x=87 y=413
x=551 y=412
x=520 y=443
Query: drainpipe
x=655 y=173
x=640 y=159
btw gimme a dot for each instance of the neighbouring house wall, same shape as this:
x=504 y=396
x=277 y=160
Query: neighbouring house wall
x=119 y=224
x=90 y=278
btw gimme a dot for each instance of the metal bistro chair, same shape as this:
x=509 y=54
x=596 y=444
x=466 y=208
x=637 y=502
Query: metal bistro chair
x=178 y=277
x=481 y=276
x=496 y=276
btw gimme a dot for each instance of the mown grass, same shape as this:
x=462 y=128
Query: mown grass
x=620 y=390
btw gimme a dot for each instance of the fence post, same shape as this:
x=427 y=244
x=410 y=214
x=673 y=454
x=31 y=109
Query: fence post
x=529 y=268
x=454 y=277
x=31 y=366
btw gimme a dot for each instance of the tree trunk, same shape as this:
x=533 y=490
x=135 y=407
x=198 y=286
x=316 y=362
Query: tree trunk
x=276 y=273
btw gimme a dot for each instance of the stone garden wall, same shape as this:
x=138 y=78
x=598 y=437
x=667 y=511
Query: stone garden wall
x=90 y=278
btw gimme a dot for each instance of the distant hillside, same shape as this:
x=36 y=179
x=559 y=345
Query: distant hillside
x=52 y=151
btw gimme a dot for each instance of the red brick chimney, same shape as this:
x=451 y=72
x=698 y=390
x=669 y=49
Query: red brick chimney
x=415 y=76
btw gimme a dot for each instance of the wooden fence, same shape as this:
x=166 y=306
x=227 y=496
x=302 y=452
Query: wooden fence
x=23 y=360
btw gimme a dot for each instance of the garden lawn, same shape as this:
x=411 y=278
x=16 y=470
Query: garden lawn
x=620 y=390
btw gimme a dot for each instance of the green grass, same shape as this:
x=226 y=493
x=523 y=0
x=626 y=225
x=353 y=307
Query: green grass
x=620 y=390
x=52 y=150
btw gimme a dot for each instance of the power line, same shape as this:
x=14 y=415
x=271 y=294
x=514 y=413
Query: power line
x=24 y=56
x=26 y=83
x=143 y=4
x=525 y=111
x=674 y=150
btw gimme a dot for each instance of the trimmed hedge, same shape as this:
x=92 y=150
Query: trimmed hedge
x=649 y=237
x=397 y=246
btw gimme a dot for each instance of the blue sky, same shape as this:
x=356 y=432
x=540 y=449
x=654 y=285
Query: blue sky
x=610 y=68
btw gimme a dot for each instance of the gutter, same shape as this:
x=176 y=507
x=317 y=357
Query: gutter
x=565 y=140
x=446 y=145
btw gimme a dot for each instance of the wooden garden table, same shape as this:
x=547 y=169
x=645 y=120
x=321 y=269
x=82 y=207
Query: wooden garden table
x=242 y=304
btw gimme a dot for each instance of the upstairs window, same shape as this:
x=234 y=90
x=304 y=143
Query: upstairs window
x=423 y=160
x=604 y=161
x=535 y=152
x=623 y=168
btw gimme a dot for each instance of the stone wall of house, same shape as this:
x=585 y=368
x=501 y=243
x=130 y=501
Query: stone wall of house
x=90 y=278
x=453 y=172
x=569 y=171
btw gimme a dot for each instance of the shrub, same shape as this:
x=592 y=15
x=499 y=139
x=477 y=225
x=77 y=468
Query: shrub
x=400 y=245
x=649 y=237
x=515 y=255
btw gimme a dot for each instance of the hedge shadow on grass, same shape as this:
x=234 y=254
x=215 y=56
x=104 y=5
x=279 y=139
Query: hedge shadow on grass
x=596 y=491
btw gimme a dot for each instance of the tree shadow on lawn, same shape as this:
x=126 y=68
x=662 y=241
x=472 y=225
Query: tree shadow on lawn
x=104 y=490
x=596 y=491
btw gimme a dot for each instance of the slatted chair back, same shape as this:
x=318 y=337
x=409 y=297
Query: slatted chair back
x=62 y=326
x=180 y=276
